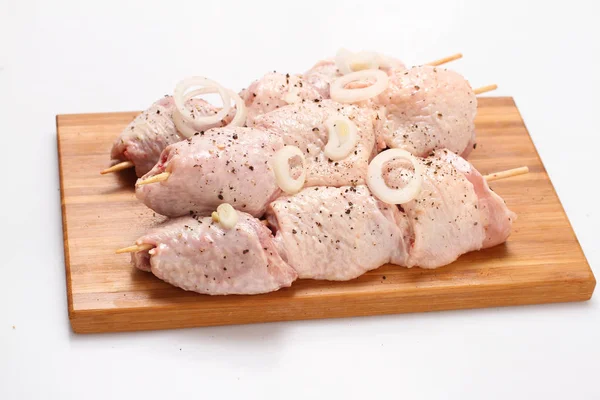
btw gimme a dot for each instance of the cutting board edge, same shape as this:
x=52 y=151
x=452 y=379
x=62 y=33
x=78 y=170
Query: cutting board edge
x=66 y=253
x=401 y=302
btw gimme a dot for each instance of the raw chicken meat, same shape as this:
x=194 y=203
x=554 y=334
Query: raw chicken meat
x=197 y=254
x=324 y=72
x=428 y=108
x=276 y=90
x=496 y=218
x=454 y=213
x=337 y=233
x=303 y=125
x=334 y=233
x=221 y=165
x=143 y=140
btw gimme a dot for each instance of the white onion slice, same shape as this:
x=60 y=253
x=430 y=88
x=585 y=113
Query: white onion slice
x=342 y=138
x=342 y=59
x=281 y=168
x=187 y=129
x=240 y=110
x=180 y=98
x=226 y=216
x=340 y=94
x=364 y=60
x=385 y=193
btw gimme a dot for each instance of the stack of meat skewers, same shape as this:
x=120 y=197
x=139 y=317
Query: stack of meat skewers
x=356 y=163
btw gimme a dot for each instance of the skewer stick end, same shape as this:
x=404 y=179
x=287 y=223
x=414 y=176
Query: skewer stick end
x=506 y=174
x=135 y=248
x=163 y=176
x=485 y=89
x=117 y=167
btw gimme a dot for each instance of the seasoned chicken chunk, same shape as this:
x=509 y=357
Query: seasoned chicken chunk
x=428 y=108
x=222 y=165
x=337 y=233
x=496 y=218
x=276 y=90
x=303 y=125
x=142 y=141
x=454 y=213
x=197 y=254
x=324 y=72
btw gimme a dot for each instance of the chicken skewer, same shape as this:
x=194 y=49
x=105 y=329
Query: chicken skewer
x=488 y=178
x=315 y=234
x=222 y=165
x=144 y=139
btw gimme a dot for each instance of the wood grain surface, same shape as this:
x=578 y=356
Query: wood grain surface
x=542 y=261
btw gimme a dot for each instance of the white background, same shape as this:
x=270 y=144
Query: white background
x=79 y=56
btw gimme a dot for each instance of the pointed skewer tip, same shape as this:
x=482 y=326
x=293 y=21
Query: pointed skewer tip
x=117 y=167
x=135 y=248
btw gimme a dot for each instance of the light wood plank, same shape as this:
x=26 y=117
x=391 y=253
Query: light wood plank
x=541 y=263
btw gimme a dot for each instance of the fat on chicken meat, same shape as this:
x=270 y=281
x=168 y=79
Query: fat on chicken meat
x=276 y=90
x=303 y=125
x=197 y=254
x=337 y=233
x=144 y=139
x=427 y=108
x=222 y=165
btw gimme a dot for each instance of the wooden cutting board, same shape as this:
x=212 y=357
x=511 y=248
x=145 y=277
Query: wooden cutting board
x=542 y=261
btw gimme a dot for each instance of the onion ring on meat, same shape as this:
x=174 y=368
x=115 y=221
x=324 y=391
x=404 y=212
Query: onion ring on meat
x=281 y=168
x=385 y=193
x=180 y=99
x=342 y=138
x=339 y=93
x=190 y=128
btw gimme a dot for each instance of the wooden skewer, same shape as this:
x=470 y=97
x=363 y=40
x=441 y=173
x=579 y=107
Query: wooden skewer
x=445 y=60
x=135 y=248
x=485 y=89
x=117 y=167
x=506 y=174
x=153 y=179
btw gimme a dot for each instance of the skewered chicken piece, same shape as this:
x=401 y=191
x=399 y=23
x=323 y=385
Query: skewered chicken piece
x=324 y=72
x=341 y=233
x=428 y=108
x=142 y=141
x=304 y=125
x=338 y=233
x=276 y=90
x=198 y=254
x=221 y=165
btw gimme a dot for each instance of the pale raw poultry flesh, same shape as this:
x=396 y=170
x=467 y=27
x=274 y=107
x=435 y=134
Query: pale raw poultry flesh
x=455 y=212
x=324 y=72
x=303 y=125
x=197 y=254
x=337 y=233
x=428 y=108
x=276 y=90
x=144 y=139
x=221 y=165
